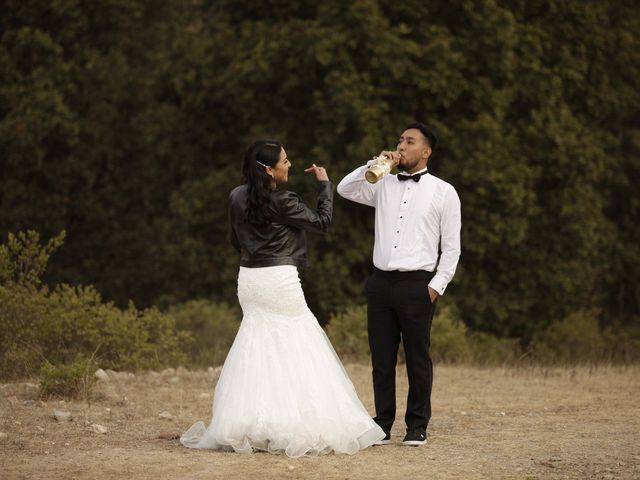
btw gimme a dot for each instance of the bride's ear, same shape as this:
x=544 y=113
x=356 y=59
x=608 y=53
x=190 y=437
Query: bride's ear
x=269 y=171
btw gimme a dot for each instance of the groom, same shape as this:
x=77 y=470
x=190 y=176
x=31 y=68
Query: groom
x=417 y=216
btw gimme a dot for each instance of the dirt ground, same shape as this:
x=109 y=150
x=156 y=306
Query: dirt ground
x=487 y=423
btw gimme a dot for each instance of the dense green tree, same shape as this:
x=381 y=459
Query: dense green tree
x=87 y=134
x=125 y=122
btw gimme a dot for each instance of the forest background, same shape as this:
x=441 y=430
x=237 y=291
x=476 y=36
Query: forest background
x=124 y=123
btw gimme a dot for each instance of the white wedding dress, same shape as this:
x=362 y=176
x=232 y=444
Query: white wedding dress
x=282 y=388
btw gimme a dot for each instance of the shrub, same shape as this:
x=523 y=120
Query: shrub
x=213 y=327
x=622 y=342
x=348 y=334
x=39 y=326
x=23 y=259
x=449 y=341
x=75 y=380
x=487 y=349
x=577 y=338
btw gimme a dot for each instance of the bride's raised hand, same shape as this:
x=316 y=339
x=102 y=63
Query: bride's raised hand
x=320 y=172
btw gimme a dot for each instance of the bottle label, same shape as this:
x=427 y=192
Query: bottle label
x=383 y=163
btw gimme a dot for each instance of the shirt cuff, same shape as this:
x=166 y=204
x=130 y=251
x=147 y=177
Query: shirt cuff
x=438 y=283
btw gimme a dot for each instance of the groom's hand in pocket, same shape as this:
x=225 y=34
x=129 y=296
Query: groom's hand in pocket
x=432 y=294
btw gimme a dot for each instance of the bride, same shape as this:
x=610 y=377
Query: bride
x=282 y=388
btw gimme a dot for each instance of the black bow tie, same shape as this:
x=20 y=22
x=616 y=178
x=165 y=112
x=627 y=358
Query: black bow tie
x=415 y=178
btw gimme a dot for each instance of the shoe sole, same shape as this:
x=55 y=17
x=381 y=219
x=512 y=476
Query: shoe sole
x=414 y=443
x=382 y=442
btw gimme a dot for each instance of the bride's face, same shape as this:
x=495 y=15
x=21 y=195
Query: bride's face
x=281 y=170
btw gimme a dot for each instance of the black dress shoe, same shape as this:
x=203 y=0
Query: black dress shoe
x=415 y=438
x=385 y=441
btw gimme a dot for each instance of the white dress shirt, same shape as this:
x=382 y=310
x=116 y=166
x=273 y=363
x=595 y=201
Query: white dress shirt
x=412 y=220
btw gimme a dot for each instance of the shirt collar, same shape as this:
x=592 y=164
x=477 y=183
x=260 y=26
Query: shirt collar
x=424 y=170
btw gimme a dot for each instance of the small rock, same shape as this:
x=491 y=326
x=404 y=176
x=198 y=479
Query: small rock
x=174 y=380
x=62 y=416
x=29 y=403
x=101 y=375
x=169 y=435
x=40 y=429
x=99 y=428
x=17 y=422
x=169 y=371
x=3 y=435
x=165 y=415
x=503 y=413
x=204 y=395
x=291 y=467
x=463 y=413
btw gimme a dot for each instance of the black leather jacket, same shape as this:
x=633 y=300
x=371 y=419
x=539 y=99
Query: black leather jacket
x=283 y=242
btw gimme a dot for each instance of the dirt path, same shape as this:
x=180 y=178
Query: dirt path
x=487 y=423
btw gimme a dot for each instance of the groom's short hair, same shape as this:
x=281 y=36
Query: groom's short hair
x=429 y=134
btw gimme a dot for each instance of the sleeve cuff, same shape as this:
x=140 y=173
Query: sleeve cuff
x=439 y=284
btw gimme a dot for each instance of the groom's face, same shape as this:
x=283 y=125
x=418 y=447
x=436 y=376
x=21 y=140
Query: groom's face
x=414 y=150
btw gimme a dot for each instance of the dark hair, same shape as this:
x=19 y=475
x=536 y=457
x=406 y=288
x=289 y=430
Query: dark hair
x=261 y=153
x=429 y=134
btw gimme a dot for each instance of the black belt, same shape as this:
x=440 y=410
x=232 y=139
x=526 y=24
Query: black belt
x=404 y=275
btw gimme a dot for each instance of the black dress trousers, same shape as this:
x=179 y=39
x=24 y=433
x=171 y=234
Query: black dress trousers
x=399 y=307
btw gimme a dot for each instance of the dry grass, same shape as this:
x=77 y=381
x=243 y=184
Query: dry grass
x=487 y=423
